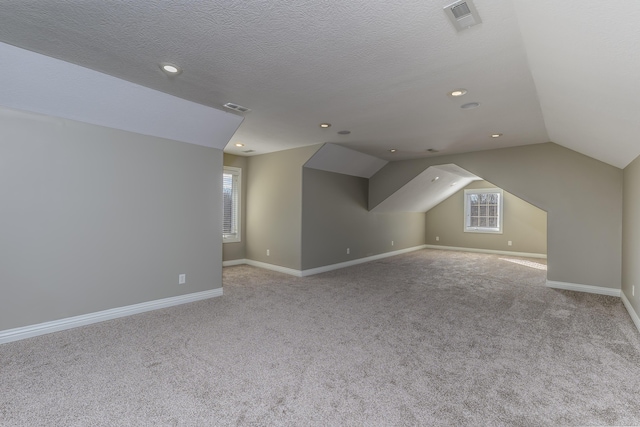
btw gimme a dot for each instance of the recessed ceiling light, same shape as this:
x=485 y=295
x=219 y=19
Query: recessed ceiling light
x=458 y=92
x=344 y=132
x=454 y=183
x=325 y=125
x=435 y=179
x=170 y=69
x=496 y=135
x=239 y=144
x=393 y=150
x=470 y=105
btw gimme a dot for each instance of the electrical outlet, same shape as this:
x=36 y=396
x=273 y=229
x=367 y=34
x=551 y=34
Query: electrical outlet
x=268 y=252
x=348 y=251
x=437 y=238
x=392 y=243
x=182 y=279
x=510 y=243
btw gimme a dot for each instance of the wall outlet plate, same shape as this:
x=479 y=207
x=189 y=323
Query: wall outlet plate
x=182 y=279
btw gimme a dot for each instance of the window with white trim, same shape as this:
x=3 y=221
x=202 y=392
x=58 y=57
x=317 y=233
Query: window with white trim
x=231 y=204
x=483 y=210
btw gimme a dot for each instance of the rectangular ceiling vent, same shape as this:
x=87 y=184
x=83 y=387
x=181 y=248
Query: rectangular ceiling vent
x=462 y=14
x=236 y=107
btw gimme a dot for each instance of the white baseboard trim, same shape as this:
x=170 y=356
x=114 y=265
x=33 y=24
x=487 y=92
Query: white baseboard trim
x=488 y=251
x=21 y=333
x=324 y=269
x=632 y=312
x=233 y=262
x=273 y=267
x=318 y=270
x=264 y=265
x=584 y=288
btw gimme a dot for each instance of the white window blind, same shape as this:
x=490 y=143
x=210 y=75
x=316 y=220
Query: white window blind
x=483 y=210
x=231 y=204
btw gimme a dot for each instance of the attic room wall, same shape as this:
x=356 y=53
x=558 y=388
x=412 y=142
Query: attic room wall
x=335 y=217
x=524 y=224
x=631 y=235
x=582 y=197
x=274 y=206
x=237 y=250
x=95 y=218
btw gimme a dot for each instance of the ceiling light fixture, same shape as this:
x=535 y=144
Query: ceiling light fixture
x=239 y=144
x=496 y=135
x=435 y=179
x=344 y=132
x=170 y=69
x=393 y=150
x=325 y=125
x=432 y=150
x=458 y=92
x=470 y=105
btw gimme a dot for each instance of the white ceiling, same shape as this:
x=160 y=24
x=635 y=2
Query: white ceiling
x=542 y=70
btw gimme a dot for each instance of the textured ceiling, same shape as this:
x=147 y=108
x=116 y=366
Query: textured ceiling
x=379 y=69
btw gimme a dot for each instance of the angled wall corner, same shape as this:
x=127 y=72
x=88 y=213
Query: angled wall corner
x=427 y=189
x=40 y=84
x=338 y=159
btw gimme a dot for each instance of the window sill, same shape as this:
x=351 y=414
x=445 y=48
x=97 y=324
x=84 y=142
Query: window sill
x=483 y=231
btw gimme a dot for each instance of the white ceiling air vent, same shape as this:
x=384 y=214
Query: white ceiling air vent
x=463 y=14
x=236 y=107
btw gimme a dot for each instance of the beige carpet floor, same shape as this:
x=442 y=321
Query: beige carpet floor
x=426 y=338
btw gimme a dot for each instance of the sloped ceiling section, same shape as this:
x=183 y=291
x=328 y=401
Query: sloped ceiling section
x=40 y=84
x=435 y=184
x=584 y=62
x=334 y=158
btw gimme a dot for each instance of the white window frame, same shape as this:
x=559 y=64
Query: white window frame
x=236 y=220
x=467 y=211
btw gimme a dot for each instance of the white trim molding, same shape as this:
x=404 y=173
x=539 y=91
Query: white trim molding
x=233 y=262
x=488 y=251
x=21 y=333
x=318 y=270
x=584 y=288
x=324 y=269
x=273 y=267
x=632 y=312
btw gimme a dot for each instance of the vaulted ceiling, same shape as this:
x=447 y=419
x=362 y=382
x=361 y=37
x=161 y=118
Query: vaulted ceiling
x=544 y=70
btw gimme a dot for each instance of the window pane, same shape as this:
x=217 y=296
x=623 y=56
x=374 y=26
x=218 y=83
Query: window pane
x=482 y=222
x=483 y=211
x=474 y=211
x=231 y=204
x=474 y=221
x=483 y=198
x=493 y=211
x=493 y=222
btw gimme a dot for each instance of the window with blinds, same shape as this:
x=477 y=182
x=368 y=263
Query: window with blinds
x=231 y=204
x=483 y=210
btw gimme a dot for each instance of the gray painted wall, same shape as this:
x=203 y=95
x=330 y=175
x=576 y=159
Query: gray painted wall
x=274 y=206
x=523 y=224
x=237 y=250
x=95 y=218
x=631 y=234
x=582 y=197
x=335 y=217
